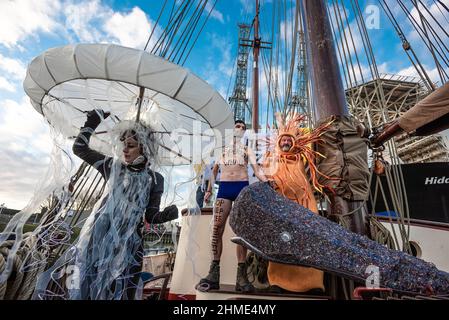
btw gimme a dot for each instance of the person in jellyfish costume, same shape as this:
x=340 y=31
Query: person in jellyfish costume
x=105 y=262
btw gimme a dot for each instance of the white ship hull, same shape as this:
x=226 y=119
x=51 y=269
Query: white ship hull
x=431 y=241
x=194 y=255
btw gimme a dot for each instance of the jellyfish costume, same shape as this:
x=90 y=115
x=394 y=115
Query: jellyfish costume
x=105 y=263
x=136 y=87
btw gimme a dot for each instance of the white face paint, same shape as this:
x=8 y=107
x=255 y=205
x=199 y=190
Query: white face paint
x=239 y=130
x=239 y=133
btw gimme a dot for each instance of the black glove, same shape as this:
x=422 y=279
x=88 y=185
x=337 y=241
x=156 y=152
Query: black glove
x=169 y=213
x=94 y=117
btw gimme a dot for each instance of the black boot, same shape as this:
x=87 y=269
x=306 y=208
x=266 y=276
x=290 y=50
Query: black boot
x=212 y=280
x=242 y=283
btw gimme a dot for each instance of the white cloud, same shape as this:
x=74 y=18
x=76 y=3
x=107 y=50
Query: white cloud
x=82 y=18
x=77 y=21
x=92 y=21
x=412 y=34
x=25 y=148
x=354 y=39
x=13 y=70
x=434 y=75
x=411 y=71
x=384 y=67
x=24 y=122
x=436 y=11
x=22 y=18
x=215 y=13
x=13 y=67
x=286 y=30
x=130 y=29
x=6 y=85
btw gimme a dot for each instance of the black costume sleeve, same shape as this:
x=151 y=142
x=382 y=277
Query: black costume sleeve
x=152 y=213
x=81 y=147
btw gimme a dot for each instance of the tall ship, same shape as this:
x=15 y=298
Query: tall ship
x=311 y=60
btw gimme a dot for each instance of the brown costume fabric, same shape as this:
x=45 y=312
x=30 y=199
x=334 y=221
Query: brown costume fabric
x=432 y=107
x=344 y=165
x=287 y=170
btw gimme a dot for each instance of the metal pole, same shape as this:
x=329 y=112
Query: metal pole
x=256 y=46
x=139 y=101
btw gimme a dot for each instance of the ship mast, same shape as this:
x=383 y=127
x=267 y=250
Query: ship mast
x=327 y=85
x=256 y=47
x=328 y=92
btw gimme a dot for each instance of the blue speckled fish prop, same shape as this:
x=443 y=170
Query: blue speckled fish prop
x=282 y=231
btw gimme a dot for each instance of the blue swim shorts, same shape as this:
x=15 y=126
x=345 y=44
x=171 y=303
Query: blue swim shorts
x=230 y=189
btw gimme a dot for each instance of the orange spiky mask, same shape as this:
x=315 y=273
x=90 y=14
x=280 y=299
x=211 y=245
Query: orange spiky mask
x=301 y=149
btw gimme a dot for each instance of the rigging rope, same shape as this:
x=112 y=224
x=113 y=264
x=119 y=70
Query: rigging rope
x=288 y=90
x=407 y=46
x=425 y=38
x=443 y=5
x=155 y=25
x=197 y=36
x=168 y=28
x=439 y=9
x=190 y=32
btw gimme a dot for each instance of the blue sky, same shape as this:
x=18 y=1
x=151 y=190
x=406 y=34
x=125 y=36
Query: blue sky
x=29 y=27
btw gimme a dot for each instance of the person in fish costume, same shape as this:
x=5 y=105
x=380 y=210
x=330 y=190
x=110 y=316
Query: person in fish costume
x=289 y=151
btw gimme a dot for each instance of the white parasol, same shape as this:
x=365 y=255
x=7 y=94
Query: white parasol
x=65 y=82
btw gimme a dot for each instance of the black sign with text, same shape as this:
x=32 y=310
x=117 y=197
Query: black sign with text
x=427 y=191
